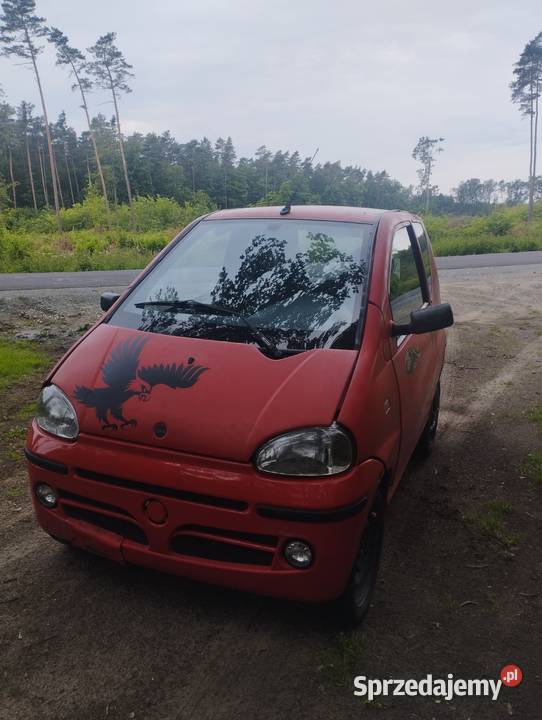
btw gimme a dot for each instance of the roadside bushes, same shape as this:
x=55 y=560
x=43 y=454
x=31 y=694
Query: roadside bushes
x=79 y=250
x=504 y=230
x=152 y=213
x=30 y=242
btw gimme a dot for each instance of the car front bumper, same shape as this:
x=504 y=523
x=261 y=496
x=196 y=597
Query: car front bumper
x=211 y=520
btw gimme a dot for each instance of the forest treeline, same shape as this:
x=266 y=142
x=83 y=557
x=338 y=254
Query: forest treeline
x=159 y=165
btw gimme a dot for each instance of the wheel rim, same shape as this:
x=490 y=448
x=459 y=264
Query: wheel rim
x=366 y=563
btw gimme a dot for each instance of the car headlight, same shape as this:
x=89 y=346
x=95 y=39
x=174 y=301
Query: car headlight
x=56 y=414
x=312 y=452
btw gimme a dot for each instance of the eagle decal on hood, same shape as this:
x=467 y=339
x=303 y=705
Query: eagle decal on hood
x=121 y=371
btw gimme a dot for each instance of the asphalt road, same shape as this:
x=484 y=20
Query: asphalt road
x=120 y=278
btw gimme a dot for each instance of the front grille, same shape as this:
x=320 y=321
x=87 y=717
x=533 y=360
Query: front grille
x=124 y=528
x=151 y=489
x=194 y=546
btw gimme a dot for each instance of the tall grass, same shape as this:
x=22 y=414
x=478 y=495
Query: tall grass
x=504 y=230
x=30 y=242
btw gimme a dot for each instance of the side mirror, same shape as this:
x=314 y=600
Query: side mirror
x=427 y=319
x=107 y=299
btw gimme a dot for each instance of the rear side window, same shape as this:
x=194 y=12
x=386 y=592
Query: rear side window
x=424 y=249
x=405 y=289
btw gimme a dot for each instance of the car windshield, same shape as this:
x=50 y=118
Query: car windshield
x=298 y=284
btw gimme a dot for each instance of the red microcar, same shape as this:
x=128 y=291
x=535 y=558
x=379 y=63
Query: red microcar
x=243 y=413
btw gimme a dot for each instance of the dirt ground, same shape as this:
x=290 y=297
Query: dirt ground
x=459 y=589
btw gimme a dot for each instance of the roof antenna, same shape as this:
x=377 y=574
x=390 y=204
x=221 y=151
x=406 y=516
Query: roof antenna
x=286 y=209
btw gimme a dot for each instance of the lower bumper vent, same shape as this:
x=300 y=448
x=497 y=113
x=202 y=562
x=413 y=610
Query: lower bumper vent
x=208 y=549
x=124 y=528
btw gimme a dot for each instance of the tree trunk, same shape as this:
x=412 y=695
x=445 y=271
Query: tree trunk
x=94 y=147
x=77 y=188
x=13 y=191
x=115 y=197
x=59 y=186
x=531 y=162
x=122 y=155
x=535 y=147
x=43 y=178
x=428 y=188
x=30 y=174
x=47 y=130
x=70 y=185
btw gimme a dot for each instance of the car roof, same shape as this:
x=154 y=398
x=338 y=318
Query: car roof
x=308 y=212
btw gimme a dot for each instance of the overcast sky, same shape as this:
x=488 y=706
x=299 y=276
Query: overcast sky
x=360 y=80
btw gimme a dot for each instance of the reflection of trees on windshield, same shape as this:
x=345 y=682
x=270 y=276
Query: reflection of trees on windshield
x=293 y=296
x=293 y=299
x=155 y=319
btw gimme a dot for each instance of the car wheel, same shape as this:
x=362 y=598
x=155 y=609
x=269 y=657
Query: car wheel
x=426 y=443
x=353 y=604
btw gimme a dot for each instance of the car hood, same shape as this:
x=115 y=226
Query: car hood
x=212 y=398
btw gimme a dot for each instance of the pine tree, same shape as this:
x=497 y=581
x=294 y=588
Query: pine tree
x=7 y=143
x=24 y=112
x=112 y=72
x=526 y=90
x=424 y=152
x=76 y=61
x=19 y=30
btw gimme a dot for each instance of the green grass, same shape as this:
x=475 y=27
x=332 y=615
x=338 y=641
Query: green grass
x=12 y=442
x=343 y=661
x=26 y=411
x=532 y=467
x=535 y=416
x=490 y=521
x=15 y=493
x=18 y=358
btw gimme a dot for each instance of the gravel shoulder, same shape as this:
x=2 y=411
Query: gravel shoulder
x=81 y=638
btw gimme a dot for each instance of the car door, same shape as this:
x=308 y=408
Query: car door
x=413 y=356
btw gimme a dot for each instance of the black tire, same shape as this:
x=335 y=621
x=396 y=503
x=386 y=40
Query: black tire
x=60 y=540
x=352 y=606
x=426 y=443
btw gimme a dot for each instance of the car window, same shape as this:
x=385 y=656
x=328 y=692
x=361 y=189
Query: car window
x=405 y=289
x=424 y=249
x=301 y=282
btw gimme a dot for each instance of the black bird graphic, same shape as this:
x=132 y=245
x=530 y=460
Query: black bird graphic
x=120 y=371
x=174 y=376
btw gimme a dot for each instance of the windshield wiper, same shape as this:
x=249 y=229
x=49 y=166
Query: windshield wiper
x=264 y=342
